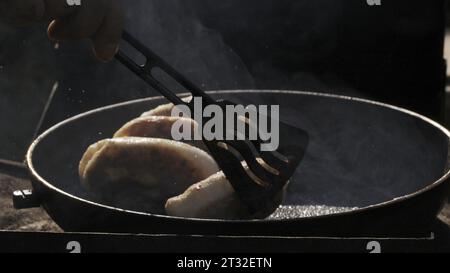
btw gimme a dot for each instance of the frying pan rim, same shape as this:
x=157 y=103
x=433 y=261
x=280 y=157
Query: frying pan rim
x=36 y=175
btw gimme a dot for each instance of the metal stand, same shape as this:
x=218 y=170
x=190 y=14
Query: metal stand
x=19 y=169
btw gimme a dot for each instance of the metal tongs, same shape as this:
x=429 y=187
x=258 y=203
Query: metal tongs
x=264 y=174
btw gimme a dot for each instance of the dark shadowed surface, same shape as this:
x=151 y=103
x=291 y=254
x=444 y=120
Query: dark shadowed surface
x=391 y=53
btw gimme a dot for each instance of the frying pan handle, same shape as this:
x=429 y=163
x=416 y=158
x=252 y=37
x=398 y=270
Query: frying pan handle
x=25 y=199
x=22 y=199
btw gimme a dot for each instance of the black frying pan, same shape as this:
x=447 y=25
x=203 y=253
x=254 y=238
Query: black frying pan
x=371 y=170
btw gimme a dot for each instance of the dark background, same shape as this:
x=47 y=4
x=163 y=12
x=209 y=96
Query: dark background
x=392 y=53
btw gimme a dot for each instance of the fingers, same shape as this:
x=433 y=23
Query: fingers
x=100 y=20
x=107 y=38
x=84 y=23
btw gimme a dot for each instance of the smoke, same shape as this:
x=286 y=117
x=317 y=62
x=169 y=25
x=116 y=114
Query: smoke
x=218 y=45
x=245 y=45
x=359 y=154
x=30 y=64
x=282 y=44
x=359 y=160
x=171 y=29
x=27 y=74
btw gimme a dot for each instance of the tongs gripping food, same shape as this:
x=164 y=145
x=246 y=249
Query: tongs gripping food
x=257 y=176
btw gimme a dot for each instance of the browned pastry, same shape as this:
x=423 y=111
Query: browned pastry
x=159 y=127
x=142 y=173
x=215 y=198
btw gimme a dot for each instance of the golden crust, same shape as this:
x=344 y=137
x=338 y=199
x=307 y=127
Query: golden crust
x=151 y=168
x=159 y=127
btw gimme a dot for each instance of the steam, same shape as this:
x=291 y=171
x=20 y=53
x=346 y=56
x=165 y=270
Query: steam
x=218 y=45
x=27 y=74
x=171 y=29
x=260 y=37
x=358 y=155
